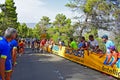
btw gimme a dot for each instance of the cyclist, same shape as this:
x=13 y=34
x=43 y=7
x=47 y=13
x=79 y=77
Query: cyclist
x=42 y=45
x=21 y=47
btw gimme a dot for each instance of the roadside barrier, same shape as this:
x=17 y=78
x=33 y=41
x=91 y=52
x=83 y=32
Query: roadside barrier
x=86 y=58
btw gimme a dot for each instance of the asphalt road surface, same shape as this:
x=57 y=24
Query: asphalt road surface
x=37 y=66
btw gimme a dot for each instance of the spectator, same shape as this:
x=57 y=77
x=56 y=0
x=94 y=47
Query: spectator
x=47 y=44
x=110 y=50
x=63 y=43
x=5 y=54
x=14 y=46
x=93 y=44
x=59 y=42
x=51 y=42
x=83 y=45
x=73 y=44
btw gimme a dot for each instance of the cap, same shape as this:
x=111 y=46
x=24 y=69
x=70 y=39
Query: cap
x=105 y=36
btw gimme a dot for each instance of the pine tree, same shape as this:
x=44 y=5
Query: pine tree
x=10 y=14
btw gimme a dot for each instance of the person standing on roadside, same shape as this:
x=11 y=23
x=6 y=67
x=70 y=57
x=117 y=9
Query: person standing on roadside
x=14 y=45
x=5 y=54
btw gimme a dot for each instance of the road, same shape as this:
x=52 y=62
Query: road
x=37 y=66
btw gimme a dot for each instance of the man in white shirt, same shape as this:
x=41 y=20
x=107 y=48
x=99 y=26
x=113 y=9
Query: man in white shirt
x=93 y=44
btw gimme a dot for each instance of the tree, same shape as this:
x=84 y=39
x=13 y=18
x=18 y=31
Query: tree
x=2 y=18
x=30 y=33
x=96 y=13
x=61 y=21
x=22 y=30
x=10 y=14
x=61 y=28
x=78 y=7
x=37 y=31
x=44 y=23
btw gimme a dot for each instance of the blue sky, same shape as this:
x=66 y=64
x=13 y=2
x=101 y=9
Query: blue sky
x=31 y=11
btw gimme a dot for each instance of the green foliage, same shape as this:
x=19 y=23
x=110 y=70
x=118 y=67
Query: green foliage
x=45 y=21
x=26 y=32
x=64 y=33
x=61 y=28
x=41 y=26
x=101 y=44
x=88 y=7
x=37 y=31
x=10 y=14
x=117 y=13
x=93 y=32
x=103 y=6
x=76 y=5
x=22 y=30
x=61 y=21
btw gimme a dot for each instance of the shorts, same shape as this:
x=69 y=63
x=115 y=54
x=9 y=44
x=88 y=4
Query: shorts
x=8 y=66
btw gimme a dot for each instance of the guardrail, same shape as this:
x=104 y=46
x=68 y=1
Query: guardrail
x=87 y=58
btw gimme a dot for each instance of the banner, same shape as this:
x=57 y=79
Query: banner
x=89 y=59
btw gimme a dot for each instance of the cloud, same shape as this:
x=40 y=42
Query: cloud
x=2 y=1
x=31 y=11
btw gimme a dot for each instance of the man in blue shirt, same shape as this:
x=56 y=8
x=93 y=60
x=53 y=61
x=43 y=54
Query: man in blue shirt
x=5 y=54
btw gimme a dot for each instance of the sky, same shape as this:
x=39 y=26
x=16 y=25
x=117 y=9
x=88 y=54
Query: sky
x=30 y=11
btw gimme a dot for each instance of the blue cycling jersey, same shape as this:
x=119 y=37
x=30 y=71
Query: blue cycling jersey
x=4 y=48
x=109 y=44
x=5 y=53
x=13 y=44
